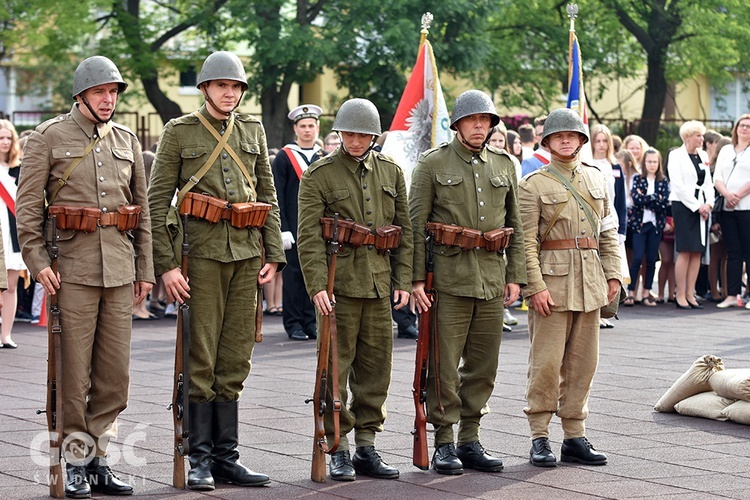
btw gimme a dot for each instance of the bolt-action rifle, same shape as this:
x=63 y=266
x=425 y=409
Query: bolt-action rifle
x=327 y=358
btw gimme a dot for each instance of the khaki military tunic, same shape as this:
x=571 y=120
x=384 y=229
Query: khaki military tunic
x=564 y=346
x=371 y=192
x=224 y=260
x=454 y=185
x=97 y=269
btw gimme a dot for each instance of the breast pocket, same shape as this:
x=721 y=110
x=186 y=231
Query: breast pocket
x=193 y=158
x=64 y=155
x=448 y=188
x=389 y=203
x=336 y=199
x=124 y=159
x=500 y=187
x=553 y=207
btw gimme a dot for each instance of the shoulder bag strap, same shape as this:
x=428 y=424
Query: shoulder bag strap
x=586 y=205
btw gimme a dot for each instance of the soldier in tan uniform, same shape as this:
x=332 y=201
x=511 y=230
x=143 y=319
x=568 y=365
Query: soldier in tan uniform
x=225 y=266
x=102 y=268
x=574 y=269
x=468 y=184
x=367 y=188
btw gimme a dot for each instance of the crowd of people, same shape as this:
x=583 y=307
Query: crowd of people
x=100 y=223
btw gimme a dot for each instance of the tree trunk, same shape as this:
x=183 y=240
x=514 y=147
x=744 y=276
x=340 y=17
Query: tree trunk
x=275 y=121
x=656 y=95
x=166 y=108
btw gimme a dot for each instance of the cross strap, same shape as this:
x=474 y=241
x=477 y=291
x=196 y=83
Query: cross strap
x=585 y=201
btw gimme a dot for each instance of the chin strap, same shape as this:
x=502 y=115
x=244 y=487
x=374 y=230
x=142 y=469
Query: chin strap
x=211 y=102
x=358 y=158
x=93 y=113
x=469 y=146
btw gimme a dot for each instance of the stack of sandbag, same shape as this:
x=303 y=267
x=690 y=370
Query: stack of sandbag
x=708 y=390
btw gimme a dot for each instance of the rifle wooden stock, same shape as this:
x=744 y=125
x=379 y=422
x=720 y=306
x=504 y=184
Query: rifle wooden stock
x=54 y=409
x=181 y=391
x=420 y=457
x=327 y=357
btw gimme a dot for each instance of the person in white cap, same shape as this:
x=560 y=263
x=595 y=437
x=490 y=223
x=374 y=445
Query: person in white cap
x=290 y=163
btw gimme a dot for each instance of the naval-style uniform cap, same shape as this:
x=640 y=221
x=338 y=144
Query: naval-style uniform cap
x=305 y=111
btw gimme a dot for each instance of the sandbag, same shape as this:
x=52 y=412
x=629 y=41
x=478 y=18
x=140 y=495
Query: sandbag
x=705 y=405
x=739 y=412
x=733 y=384
x=693 y=381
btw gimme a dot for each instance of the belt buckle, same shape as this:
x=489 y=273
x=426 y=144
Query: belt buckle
x=576 y=240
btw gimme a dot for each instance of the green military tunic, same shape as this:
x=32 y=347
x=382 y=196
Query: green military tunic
x=371 y=192
x=224 y=260
x=454 y=185
x=564 y=346
x=97 y=269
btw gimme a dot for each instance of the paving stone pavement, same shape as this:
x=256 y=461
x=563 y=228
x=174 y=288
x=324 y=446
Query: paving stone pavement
x=651 y=455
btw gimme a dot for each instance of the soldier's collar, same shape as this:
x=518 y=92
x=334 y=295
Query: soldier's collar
x=86 y=125
x=211 y=118
x=351 y=163
x=467 y=155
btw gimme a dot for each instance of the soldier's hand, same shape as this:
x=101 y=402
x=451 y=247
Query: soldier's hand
x=613 y=291
x=401 y=298
x=49 y=280
x=176 y=286
x=267 y=273
x=140 y=291
x=512 y=291
x=322 y=304
x=541 y=303
x=420 y=297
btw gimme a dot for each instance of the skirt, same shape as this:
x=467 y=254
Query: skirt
x=687 y=229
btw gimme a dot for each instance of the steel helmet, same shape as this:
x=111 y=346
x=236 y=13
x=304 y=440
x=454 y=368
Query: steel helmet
x=96 y=70
x=222 y=65
x=358 y=115
x=564 y=120
x=473 y=102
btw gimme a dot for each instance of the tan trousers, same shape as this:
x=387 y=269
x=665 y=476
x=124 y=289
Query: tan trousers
x=469 y=332
x=563 y=358
x=222 y=304
x=96 y=326
x=365 y=354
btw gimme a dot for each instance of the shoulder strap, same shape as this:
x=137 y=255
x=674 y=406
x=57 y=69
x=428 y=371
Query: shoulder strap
x=586 y=205
x=68 y=171
x=223 y=144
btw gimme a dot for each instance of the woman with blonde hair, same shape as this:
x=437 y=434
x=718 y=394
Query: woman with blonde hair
x=692 y=196
x=10 y=160
x=637 y=145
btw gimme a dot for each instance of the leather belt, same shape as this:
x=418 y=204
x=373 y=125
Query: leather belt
x=579 y=242
x=468 y=238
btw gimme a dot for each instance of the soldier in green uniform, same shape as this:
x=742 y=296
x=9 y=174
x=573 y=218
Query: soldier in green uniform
x=369 y=189
x=466 y=183
x=101 y=269
x=225 y=261
x=573 y=270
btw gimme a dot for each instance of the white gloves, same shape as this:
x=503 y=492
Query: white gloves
x=620 y=238
x=287 y=240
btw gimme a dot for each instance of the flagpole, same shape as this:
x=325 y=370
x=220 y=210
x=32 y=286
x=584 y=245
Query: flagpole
x=426 y=22
x=572 y=10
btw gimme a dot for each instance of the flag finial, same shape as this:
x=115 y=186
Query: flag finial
x=572 y=10
x=427 y=18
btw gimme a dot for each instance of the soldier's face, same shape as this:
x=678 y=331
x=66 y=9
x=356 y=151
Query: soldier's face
x=102 y=99
x=225 y=94
x=356 y=144
x=474 y=129
x=564 y=143
x=307 y=131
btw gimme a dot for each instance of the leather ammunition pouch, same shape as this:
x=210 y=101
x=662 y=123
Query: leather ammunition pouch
x=87 y=219
x=350 y=233
x=467 y=238
x=212 y=209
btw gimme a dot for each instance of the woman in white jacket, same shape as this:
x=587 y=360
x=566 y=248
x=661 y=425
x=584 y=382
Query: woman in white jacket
x=692 y=196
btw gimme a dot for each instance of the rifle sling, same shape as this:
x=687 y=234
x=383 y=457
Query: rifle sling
x=585 y=201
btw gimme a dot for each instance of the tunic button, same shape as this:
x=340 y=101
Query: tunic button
x=99 y=164
x=583 y=231
x=231 y=191
x=367 y=199
x=476 y=175
x=479 y=190
x=481 y=218
x=101 y=179
x=226 y=169
x=104 y=210
x=583 y=219
x=98 y=150
x=554 y=200
x=224 y=156
x=228 y=181
x=474 y=161
x=369 y=212
x=335 y=197
x=449 y=181
x=104 y=193
x=369 y=223
x=221 y=132
x=585 y=257
x=481 y=203
x=369 y=247
x=551 y=271
x=364 y=186
x=67 y=153
x=193 y=154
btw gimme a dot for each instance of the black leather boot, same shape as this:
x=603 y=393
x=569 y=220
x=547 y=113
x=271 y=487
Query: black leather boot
x=201 y=441
x=226 y=465
x=77 y=484
x=541 y=454
x=367 y=461
x=103 y=480
x=445 y=461
x=341 y=467
x=581 y=451
x=473 y=456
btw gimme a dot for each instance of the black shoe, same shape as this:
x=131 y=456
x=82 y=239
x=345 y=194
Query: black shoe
x=312 y=334
x=580 y=450
x=297 y=335
x=341 y=467
x=225 y=458
x=695 y=306
x=445 y=460
x=238 y=474
x=77 y=484
x=201 y=442
x=473 y=456
x=679 y=306
x=103 y=480
x=366 y=461
x=200 y=477
x=410 y=332
x=541 y=454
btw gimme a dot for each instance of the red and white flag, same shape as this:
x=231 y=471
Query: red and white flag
x=421 y=121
